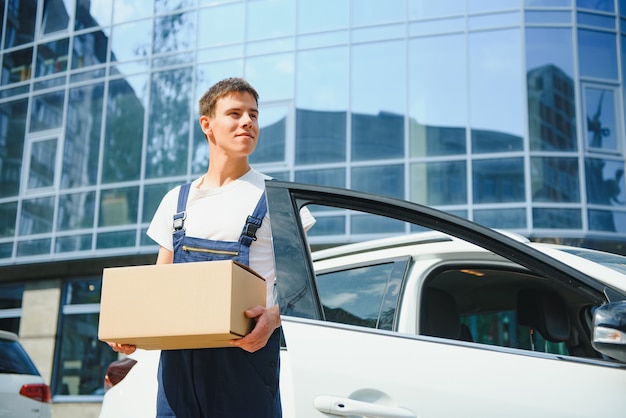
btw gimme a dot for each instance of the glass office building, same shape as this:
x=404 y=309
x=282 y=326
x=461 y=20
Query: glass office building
x=507 y=112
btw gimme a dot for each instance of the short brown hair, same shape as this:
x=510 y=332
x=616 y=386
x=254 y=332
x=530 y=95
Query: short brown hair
x=223 y=88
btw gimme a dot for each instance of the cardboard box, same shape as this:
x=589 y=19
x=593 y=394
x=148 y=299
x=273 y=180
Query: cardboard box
x=184 y=305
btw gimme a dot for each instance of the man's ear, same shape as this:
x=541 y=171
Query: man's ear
x=205 y=124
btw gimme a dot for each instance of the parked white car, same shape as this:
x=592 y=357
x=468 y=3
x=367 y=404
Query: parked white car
x=455 y=320
x=23 y=392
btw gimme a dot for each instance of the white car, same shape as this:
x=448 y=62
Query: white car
x=446 y=318
x=23 y=392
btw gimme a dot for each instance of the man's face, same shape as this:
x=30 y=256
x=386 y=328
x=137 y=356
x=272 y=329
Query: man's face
x=235 y=127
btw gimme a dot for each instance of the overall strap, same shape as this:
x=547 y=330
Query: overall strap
x=253 y=223
x=181 y=213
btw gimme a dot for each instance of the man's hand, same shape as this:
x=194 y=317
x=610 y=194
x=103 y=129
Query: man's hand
x=267 y=320
x=123 y=348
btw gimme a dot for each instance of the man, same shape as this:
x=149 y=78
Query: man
x=223 y=215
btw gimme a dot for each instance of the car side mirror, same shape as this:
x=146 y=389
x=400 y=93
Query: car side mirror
x=609 y=330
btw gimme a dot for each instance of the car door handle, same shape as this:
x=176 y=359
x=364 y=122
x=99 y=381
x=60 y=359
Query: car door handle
x=344 y=407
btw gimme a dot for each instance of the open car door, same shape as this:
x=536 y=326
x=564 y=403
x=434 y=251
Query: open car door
x=340 y=369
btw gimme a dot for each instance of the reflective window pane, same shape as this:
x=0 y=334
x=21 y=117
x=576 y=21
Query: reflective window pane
x=152 y=196
x=320 y=136
x=322 y=80
x=163 y=6
x=8 y=217
x=551 y=94
x=321 y=101
x=371 y=224
x=168 y=137
x=217 y=27
x=374 y=12
x=599 y=21
x=386 y=180
x=498 y=181
x=270 y=19
x=89 y=49
x=272 y=76
x=607 y=221
x=56 y=15
x=90 y=13
x=117 y=239
x=597 y=54
x=272 y=135
x=555 y=179
x=605 y=181
x=83 y=360
x=119 y=206
x=378 y=100
x=426 y=9
x=33 y=247
x=36 y=216
x=486 y=140
x=11 y=296
x=47 y=111
x=124 y=131
x=334 y=177
x=17 y=66
x=131 y=40
x=601 y=119
x=496 y=80
x=80 y=292
x=556 y=218
x=547 y=3
x=52 y=57
x=437 y=95
x=12 y=131
x=501 y=218
x=124 y=10
x=20 y=23
x=439 y=183
x=600 y=5
x=174 y=33
x=82 y=137
x=41 y=170
x=6 y=250
x=550 y=47
x=76 y=211
x=322 y=15
x=479 y=6
x=73 y=243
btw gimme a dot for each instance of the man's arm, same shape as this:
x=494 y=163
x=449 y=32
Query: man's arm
x=165 y=256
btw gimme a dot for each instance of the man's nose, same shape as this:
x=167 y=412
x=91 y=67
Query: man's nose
x=246 y=120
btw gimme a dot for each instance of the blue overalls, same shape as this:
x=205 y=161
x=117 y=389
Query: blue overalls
x=218 y=382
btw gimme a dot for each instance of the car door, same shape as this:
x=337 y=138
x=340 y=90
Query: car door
x=340 y=369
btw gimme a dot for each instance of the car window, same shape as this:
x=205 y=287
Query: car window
x=506 y=307
x=14 y=360
x=504 y=330
x=364 y=295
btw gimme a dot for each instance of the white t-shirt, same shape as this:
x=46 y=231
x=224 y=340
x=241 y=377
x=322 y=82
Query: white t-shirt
x=220 y=214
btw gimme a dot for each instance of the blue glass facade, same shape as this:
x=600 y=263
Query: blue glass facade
x=508 y=112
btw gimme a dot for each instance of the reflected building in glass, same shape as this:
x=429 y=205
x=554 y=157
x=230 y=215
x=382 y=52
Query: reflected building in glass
x=507 y=112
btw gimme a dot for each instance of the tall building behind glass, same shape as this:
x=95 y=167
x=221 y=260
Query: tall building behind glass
x=507 y=112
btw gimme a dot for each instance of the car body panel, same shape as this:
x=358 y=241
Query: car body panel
x=442 y=379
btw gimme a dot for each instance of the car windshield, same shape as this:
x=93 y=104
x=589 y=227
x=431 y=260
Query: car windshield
x=610 y=260
x=14 y=360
